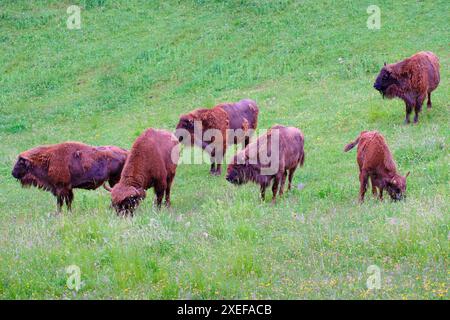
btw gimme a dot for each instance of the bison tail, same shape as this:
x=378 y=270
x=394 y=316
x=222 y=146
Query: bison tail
x=302 y=159
x=350 y=146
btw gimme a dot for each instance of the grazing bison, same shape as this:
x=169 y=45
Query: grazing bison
x=152 y=162
x=62 y=167
x=412 y=80
x=234 y=122
x=243 y=120
x=375 y=161
x=271 y=157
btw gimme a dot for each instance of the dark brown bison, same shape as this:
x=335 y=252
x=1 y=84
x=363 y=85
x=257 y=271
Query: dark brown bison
x=234 y=122
x=62 y=167
x=152 y=162
x=270 y=158
x=412 y=80
x=375 y=161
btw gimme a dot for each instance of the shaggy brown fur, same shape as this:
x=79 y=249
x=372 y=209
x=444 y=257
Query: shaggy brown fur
x=215 y=118
x=290 y=155
x=62 y=167
x=412 y=80
x=243 y=117
x=375 y=161
x=152 y=162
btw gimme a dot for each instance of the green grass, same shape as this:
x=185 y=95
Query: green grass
x=139 y=64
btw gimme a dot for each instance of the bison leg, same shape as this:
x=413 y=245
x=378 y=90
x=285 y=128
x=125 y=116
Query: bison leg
x=160 y=188
x=246 y=141
x=276 y=182
x=291 y=175
x=374 y=188
x=283 y=181
x=169 y=185
x=68 y=197
x=218 y=169
x=429 y=101
x=381 y=194
x=418 y=108
x=263 y=192
x=215 y=165
x=363 y=179
x=213 y=168
x=59 y=203
x=408 y=113
x=64 y=195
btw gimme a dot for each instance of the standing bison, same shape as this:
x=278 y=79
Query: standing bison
x=375 y=161
x=270 y=158
x=412 y=80
x=214 y=129
x=62 y=167
x=152 y=162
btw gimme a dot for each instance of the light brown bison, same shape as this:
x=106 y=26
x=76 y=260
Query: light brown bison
x=270 y=158
x=375 y=161
x=412 y=80
x=152 y=162
x=234 y=122
x=62 y=167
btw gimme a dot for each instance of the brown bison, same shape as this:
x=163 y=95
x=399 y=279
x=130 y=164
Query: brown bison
x=268 y=159
x=412 y=80
x=152 y=162
x=226 y=123
x=62 y=167
x=375 y=161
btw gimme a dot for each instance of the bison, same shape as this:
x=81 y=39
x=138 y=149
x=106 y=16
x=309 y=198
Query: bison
x=412 y=80
x=375 y=161
x=233 y=123
x=60 y=168
x=152 y=162
x=283 y=147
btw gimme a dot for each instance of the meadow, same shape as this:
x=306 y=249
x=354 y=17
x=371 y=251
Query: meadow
x=308 y=64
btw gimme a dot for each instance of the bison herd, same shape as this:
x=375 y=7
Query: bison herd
x=273 y=157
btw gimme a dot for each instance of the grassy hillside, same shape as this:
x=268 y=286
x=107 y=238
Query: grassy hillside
x=139 y=64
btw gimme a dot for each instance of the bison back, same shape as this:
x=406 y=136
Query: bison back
x=241 y=112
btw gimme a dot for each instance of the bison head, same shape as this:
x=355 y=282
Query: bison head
x=125 y=199
x=236 y=170
x=21 y=168
x=386 y=82
x=185 y=129
x=396 y=187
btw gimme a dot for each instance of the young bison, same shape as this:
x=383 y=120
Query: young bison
x=375 y=161
x=283 y=147
x=62 y=167
x=152 y=163
x=234 y=122
x=243 y=120
x=412 y=80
